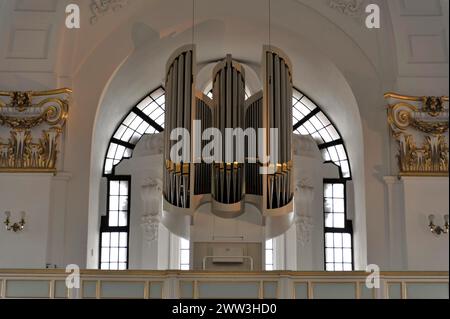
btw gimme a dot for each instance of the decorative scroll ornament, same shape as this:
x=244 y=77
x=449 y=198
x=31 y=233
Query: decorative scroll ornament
x=347 y=7
x=101 y=7
x=420 y=127
x=304 y=195
x=31 y=124
x=151 y=193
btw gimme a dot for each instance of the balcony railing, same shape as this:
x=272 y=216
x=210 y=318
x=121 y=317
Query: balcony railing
x=140 y=284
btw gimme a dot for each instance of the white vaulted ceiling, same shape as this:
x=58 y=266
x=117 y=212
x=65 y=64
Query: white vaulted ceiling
x=30 y=32
x=36 y=51
x=422 y=42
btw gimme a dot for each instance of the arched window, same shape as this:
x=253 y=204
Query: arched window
x=309 y=119
x=147 y=117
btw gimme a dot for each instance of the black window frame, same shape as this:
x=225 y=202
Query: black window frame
x=348 y=223
x=104 y=220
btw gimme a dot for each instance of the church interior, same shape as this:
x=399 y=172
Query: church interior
x=198 y=149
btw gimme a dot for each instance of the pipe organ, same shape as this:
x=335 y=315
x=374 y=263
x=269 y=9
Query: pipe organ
x=244 y=167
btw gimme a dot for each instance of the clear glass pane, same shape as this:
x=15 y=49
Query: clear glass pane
x=105 y=239
x=339 y=220
x=337 y=240
x=124 y=188
x=341 y=152
x=308 y=103
x=338 y=190
x=123 y=239
x=184 y=243
x=330 y=267
x=112 y=150
x=345 y=168
x=127 y=153
x=184 y=256
x=316 y=123
x=333 y=154
x=316 y=136
x=161 y=100
x=326 y=137
x=334 y=134
x=296 y=115
x=123 y=203
x=347 y=267
x=329 y=240
x=119 y=133
x=114 y=239
x=269 y=256
x=122 y=266
x=114 y=188
x=269 y=267
x=114 y=254
x=338 y=267
x=329 y=256
x=129 y=119
x=108 y=166
x=135 y=124
x=122 y=254
x=328 y=190
x=302 y=130
x=142 y=128
x=328 y=205
x=113 y=219
x=123 y=218
x=114 y=266
x=144 y=103
x=347 y=255
x=119 y=152
x=135 y=138
x=325 y=155
x=328 y=220
x=338 y=205
x=269 y=243
x=346 y=240
x=113 y=203
x=104 y=266
x=302 y=109
x=105 y=255
x=322 y=117
x=338 y=255
x=296 y=95
x=127 y=135
x=309 y=127
x=184 y=267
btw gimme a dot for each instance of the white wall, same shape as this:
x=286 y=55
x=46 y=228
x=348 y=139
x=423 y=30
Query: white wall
x=29 y=193
x=425 y=196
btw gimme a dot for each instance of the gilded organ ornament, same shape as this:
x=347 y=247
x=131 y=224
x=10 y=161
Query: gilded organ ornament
x=420 y=128
x=31 y=125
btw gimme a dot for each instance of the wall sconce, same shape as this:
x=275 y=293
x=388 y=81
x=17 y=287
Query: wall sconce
x=438 y=230
x=15 y=227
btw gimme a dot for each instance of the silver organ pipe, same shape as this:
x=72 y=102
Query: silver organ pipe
x=229 y=183
x=228 y=177
x=253 y=119
x=179 y=97
x=203 y=113
x=277 y=114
